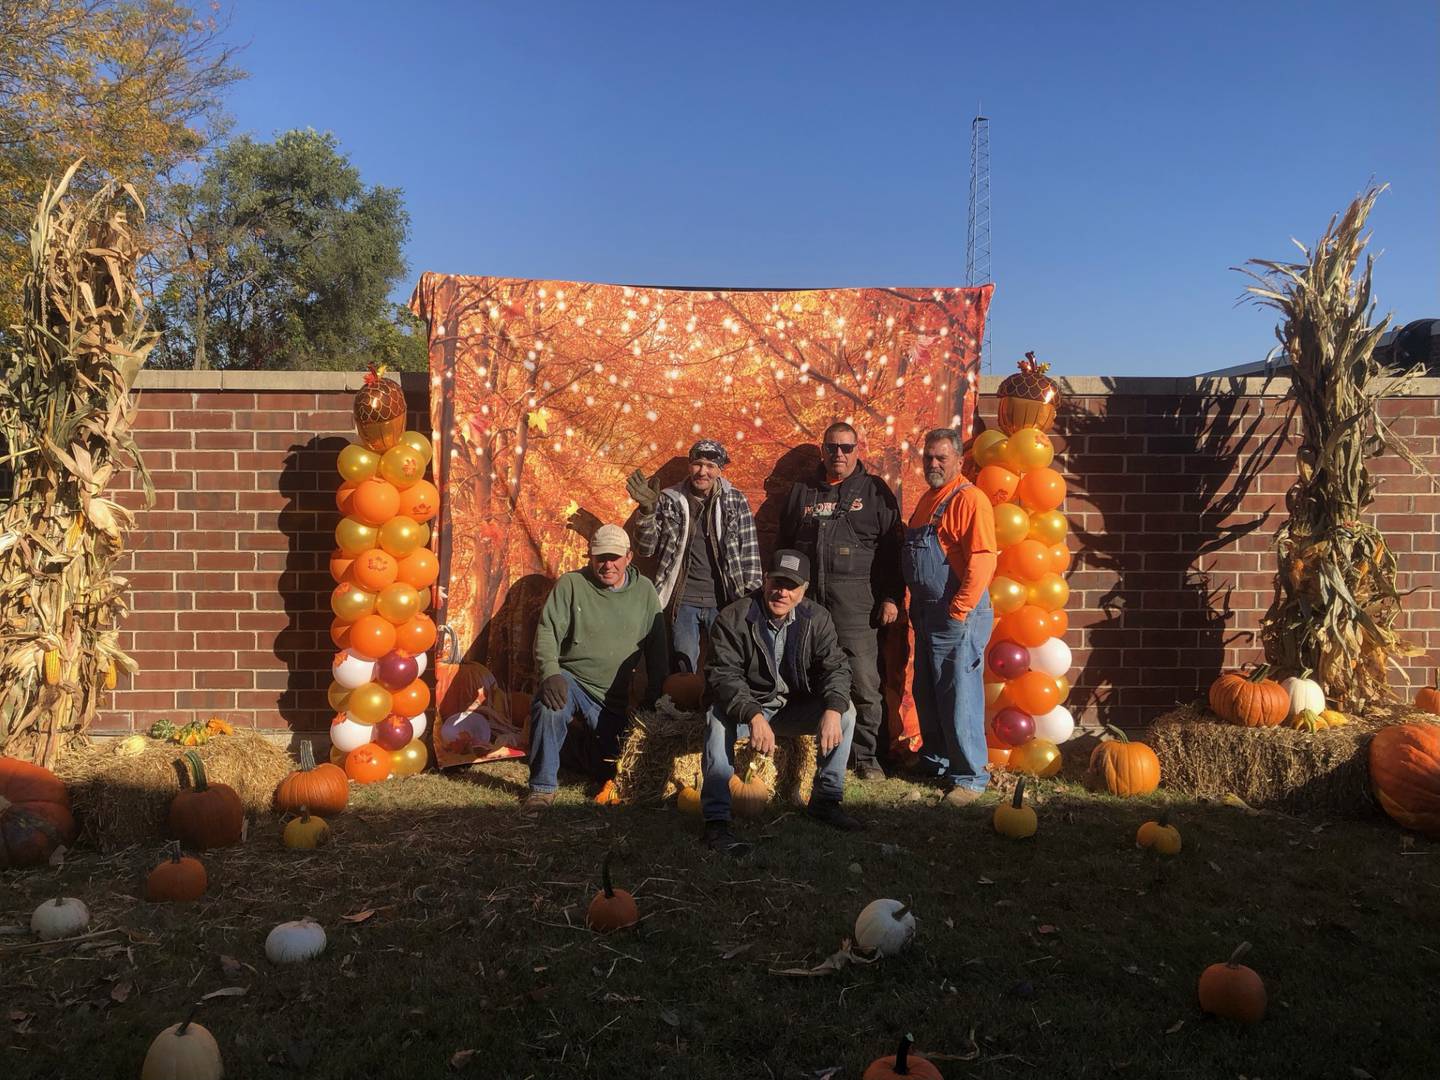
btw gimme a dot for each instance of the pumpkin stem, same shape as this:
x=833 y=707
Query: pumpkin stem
x=304 y=814
x=307 y=756
x=1163 y=819
x=605 y=884
x=1261 y=670
x=186 y=1023
x=1116 y=733
x=1019 y=799
x=900 y=912
x=174 y=848
x=197 y=770
x=902 y=1054
x=1240 y=950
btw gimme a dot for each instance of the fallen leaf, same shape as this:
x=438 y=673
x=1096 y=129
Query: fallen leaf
x=1176 y=1026
x=230 y=966
x=730 y=954
x=836 y=961
x=670 y=1016
x=855 y=868
x=19 y=1016
x=949 y=922
x=359 y=916
x=57 y=857
x=985 y=881
x=227 y=991
x=1046 y=928
x=121 y=992
x=1215 y=866
x=826 y=1074
x=1356 y=1071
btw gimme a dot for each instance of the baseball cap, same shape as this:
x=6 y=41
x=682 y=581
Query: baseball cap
x=791 y=564
x=710 y=450
x=610 y=540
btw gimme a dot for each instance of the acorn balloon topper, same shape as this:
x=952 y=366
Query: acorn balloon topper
x=379 y=411
x=1028 y=398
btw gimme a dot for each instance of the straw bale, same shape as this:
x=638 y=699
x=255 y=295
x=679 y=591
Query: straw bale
x=121 y=800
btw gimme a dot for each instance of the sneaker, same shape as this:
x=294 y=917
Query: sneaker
x=536 y=801
x=869 y=770
x=962 y=796
x=718 y=837
x=830 y=813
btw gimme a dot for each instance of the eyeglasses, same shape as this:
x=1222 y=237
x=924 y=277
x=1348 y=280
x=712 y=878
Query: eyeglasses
x=840 y=447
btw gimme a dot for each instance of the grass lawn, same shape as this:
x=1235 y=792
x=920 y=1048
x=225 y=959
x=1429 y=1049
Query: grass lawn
x=457 y=945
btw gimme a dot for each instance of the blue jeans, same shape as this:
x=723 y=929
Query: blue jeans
x=949 y=689
x=797 y=718
x=548 y=728
x=686 y=632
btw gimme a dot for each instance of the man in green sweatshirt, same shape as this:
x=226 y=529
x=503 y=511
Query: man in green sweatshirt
x=594 y=627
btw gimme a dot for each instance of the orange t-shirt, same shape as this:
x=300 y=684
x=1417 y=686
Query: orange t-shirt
x=967 y=536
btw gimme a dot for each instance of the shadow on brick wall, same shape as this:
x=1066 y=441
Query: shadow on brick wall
x=1168 y=483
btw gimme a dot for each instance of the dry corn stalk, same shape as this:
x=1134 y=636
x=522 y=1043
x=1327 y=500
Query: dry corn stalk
x=1336 y=601
x=65 y=416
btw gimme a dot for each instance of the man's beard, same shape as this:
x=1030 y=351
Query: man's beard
x=935 y=478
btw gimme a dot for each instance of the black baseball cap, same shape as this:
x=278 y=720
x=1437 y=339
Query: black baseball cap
x=791 y=564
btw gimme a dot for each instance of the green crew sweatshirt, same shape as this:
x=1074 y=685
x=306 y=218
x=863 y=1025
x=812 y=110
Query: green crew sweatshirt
x=598 y=635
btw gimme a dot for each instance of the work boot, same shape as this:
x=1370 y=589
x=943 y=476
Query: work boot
x=869 y=770
x=536 y=802
x=718 y=837
x=828 y=812
x=962 y=796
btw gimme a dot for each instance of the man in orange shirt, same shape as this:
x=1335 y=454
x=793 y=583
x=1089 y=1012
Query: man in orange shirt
x=948 y=560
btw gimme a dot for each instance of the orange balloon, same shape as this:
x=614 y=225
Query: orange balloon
x=1041 y=490
x=1029 y=626
x=1027 y=561
x=375 y=502
x=421 y=500
x=340 y=564
x=374 y=570
x=997 y=482
x=1034 y=692
x=1059 y=558
x=1059 y=622
x=340 y=632
x=411 y=700
x=368 y=764
x=999 y=756
x=419 y=569
x=373 y=636
x=344 y=497
x=415 y=635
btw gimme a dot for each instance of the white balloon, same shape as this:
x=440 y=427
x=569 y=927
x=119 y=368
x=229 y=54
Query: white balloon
x=347 y=735
x=417 y=722
x=1052 y=658
x=1057 y=725
x=352 y=670
x=421 y=663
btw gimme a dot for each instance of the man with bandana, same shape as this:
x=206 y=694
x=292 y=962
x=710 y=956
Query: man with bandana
x=704 y=534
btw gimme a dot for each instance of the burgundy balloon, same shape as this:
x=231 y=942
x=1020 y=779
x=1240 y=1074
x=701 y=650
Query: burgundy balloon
x=1011 y=726
x=1006 y=659
x=395 y=732
x=397 y=670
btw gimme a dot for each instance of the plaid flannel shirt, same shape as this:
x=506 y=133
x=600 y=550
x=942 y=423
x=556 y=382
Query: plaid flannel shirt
x=668 y=531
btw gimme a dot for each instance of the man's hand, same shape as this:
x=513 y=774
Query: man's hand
x=554 y=692
x=642 y=490
x=888 y=612
x=762 y=737
x=829 y=732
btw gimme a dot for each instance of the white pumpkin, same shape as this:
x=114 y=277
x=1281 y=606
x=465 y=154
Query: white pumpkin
x=352 y=670
x=59 y=918
x=185 y=1051
x=295 y=942
x=885 y=926
x=1305 y=693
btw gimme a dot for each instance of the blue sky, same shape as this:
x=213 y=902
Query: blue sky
x=1138 y=150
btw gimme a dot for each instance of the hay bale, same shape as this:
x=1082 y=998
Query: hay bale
x=121 y=800
x=664 y=746
x=1278 y=768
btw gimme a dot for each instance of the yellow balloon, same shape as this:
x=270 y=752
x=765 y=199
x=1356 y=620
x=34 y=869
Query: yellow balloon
x=402 y=465
x=1029 y=448
x=409 y=759
x=1012 y=524
x=420 y=444
x=349 y=602
x=400 y=535
x=355 y=537
x=356 y=463
x=338 y=696
x=988 y=447
x=424 y=534
x=398 y=603
x=1049 y=527
x=1007 y=595
x=369 y=704
x=337 y=756
x=1064 y=684
x=1036 y=757
x=1050 y=592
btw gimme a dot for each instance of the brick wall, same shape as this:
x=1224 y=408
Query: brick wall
x=1176 y=488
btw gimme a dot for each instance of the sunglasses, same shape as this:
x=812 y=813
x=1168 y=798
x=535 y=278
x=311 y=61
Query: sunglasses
x=840 y=447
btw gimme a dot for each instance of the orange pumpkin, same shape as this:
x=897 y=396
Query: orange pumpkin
x=178 y=878
x=1405 y=769
x=208 y=815
x=748 y=796
x=34 y=813
x=1233 y=990
x=1249 y=700
x=611 y=908
x=1428 y=699
x=1125 y=767
x=323 y=788
x=368 y=764
x=902 y=1063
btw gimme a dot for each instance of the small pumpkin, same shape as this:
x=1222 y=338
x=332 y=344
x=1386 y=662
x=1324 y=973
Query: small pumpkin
x=611 y=908
x=1405 y=771
x=208 y=815
x=1304 y=693
x=1428 y=699
x=217 y=726
x=1249 y=700
x=163 y=729
x=295 y=942
x=323 y=788
x=1126 y=768
x=749 y=796
x=1233 y=990
x=131 y=746
x=1334 y=718
x=1014 y=819
x=178 y=878
x=62 y=917
x=185 y=1050
x=687 y=799
x=902 y=1063
x=35 y=815
x=685 y=690
x=192 y=734
x=608 y=795
x=1159 y=836
x=1306 y=720
x=886 y=926
x=306 y=831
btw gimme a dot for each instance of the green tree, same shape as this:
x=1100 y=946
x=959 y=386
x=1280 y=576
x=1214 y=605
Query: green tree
x=279 y=256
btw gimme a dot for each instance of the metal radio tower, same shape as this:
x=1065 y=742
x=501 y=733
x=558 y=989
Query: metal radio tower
x=977 y=235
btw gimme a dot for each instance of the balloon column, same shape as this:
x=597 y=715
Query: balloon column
x=1027 y=661
x=383 y=571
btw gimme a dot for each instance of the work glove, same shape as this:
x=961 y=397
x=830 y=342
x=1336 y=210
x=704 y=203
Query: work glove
x=554 y=692
x=642 y=490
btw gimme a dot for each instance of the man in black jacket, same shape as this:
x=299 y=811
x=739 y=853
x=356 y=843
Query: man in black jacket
x=846 y=520
x=775 y=668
